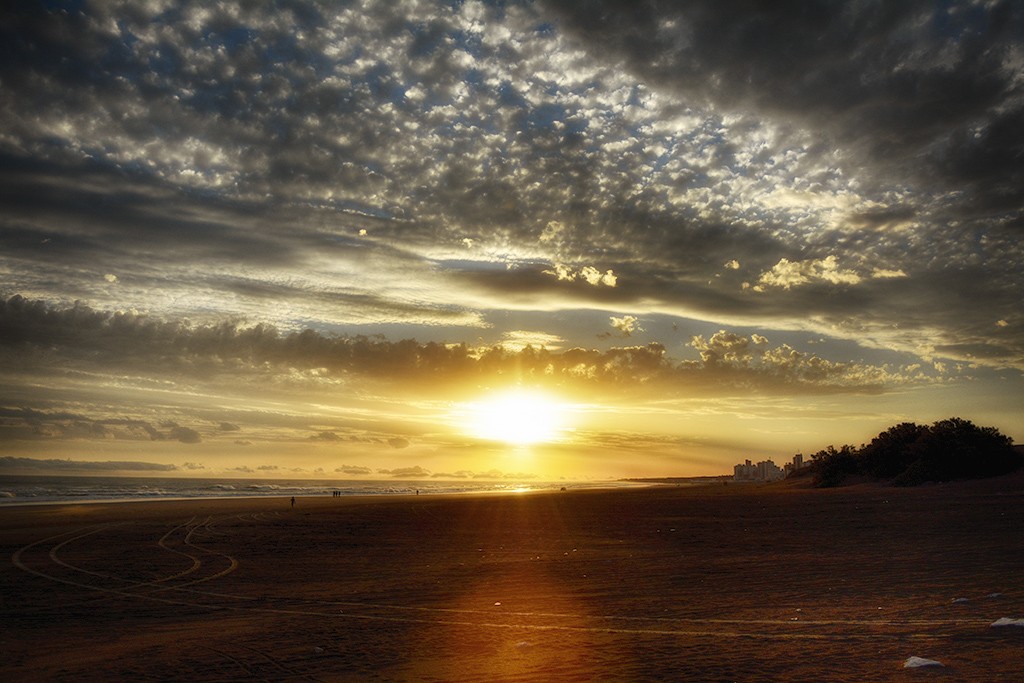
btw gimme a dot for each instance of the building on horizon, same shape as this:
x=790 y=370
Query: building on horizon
x=766 y=470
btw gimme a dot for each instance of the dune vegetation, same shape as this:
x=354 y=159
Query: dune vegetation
x=909 y=454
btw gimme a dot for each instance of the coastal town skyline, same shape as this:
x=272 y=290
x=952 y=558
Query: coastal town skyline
x=507 y=239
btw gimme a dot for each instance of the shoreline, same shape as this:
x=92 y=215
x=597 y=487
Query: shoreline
x=21 y=490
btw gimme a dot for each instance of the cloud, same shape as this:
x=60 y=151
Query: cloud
x=498 y=474
x=736 y=359
x=31 y=424
x=727 y=347
x=627 y=324
x=327 y=166
x=787 y=274
x=461 y=474
x=398 y=442
x=353 y=470
x=917 y=89
x=184 y=435
x=51 y=465
x=589 y=274
x=326 y=436
x=595 y=277
x=884 y=273
x=415 y=472
x=308 y=359
x=516 y=340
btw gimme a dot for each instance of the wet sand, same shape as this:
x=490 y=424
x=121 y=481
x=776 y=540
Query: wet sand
x=718 y=583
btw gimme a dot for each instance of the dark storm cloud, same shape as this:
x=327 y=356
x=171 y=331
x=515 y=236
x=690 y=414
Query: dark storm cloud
x=34 y=333
x=128 y=209
x=11 y=463
x=324 y=164
x=32 y=424
x=929 y=88
x=184 y=434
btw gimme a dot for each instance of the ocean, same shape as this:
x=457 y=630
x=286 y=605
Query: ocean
x=33 y=490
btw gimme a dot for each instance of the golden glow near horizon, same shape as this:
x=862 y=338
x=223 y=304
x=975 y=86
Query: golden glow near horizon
x=517 y=417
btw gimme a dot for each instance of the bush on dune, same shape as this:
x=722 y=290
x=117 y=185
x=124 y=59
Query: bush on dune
x=890 y=453
x=911 y=454
x=832 y=467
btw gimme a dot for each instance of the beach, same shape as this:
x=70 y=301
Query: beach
x=710 y=583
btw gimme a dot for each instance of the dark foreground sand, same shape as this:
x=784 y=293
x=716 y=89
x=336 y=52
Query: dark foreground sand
x=725 y=583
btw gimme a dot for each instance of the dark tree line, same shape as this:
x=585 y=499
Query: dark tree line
x=910 y=454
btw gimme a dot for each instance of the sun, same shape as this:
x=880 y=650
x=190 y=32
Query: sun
x=518 y=417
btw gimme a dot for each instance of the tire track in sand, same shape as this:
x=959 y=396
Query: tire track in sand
x=522 y=621
x=196 y=563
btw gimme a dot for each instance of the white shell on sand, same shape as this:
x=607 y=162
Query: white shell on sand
x=917 y=662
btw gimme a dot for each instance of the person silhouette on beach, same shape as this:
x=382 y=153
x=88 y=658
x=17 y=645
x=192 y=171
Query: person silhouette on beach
x=293 y=501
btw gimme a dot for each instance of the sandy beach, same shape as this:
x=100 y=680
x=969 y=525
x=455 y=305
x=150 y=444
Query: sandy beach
x=718 y=583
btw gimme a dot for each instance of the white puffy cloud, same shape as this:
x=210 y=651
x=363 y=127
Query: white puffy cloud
x=519 y=339
x=627 y=324
x=589 y=274
x=787 y=274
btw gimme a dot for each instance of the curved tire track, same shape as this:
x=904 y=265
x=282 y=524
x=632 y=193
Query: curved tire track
x=771 y=629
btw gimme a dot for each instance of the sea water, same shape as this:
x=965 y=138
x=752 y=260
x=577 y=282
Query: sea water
x=29 y=489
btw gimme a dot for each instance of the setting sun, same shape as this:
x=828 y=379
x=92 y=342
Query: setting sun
x=516 y=417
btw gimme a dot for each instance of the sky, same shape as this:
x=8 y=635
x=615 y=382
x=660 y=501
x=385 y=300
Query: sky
x=512 y=240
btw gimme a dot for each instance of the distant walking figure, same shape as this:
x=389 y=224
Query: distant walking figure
x=293 y=501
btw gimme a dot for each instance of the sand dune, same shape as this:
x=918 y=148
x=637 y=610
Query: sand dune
x=714 y=583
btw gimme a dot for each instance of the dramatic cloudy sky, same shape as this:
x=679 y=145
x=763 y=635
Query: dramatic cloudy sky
x=319 y=239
